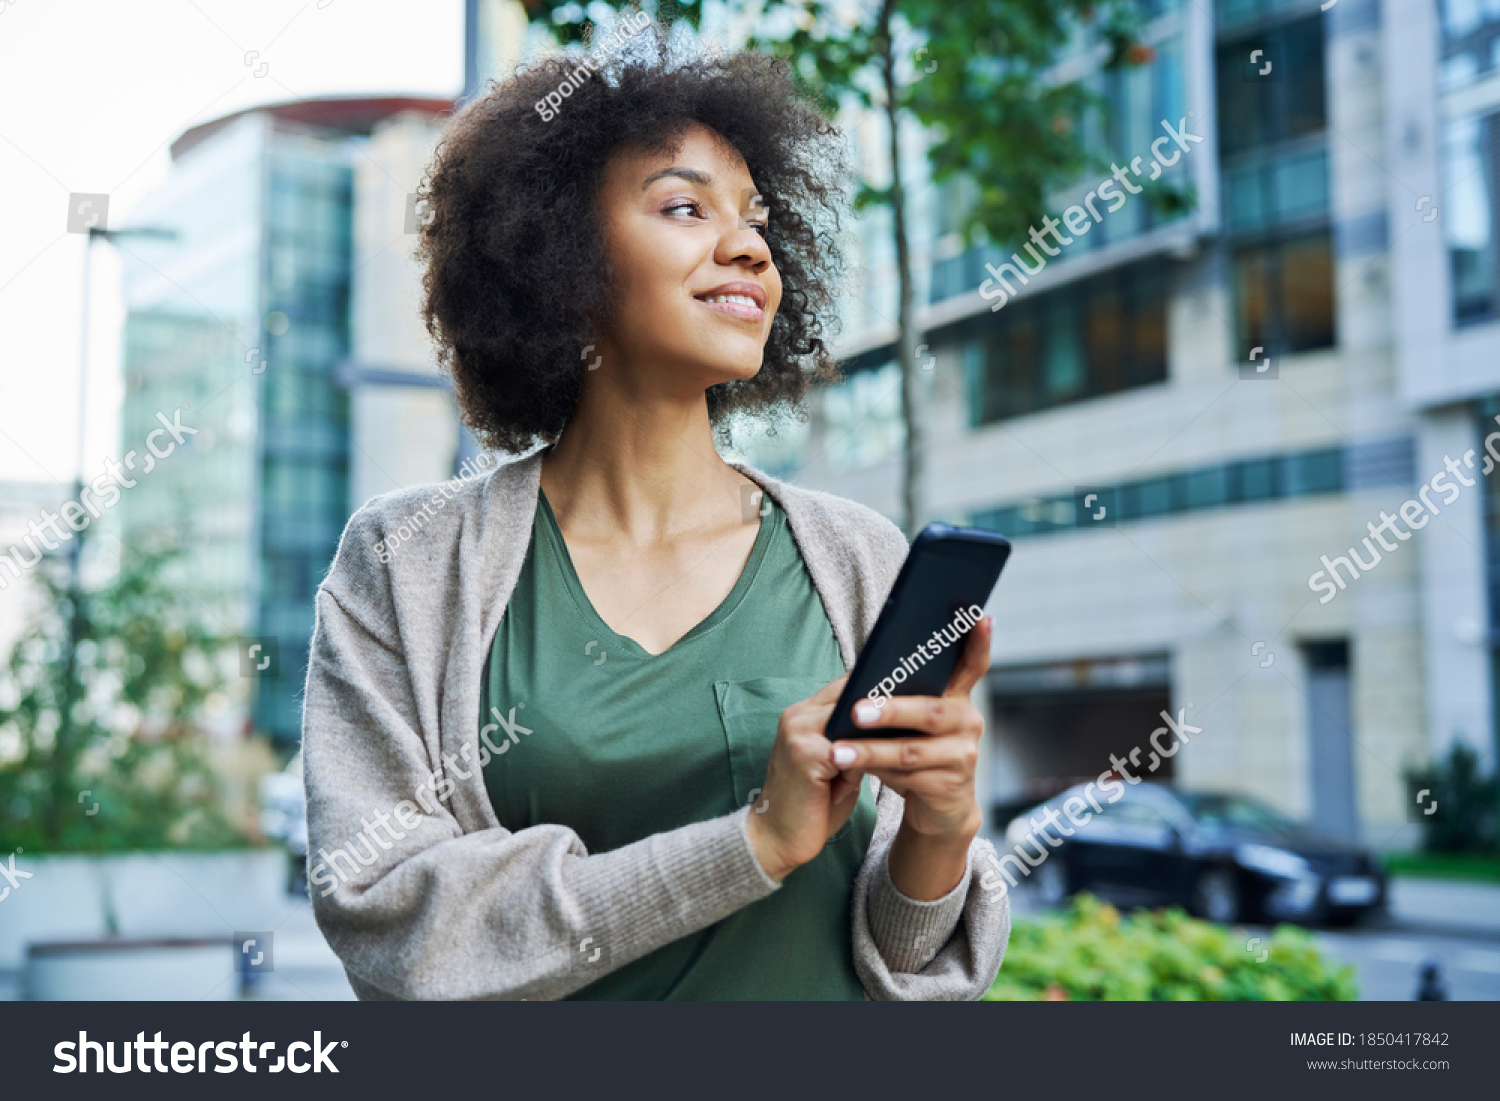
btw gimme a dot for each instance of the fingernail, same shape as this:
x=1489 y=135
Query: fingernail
x=866 y=712
x=844 y=755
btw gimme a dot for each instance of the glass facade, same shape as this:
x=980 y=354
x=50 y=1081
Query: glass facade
x=1139 y=98
x=1471 y=41
x=1236 y=14
x=1238 y=482
x=863 y=416
x=191 y=314
x=1489 y=425
x=1096 y=336
x=1470 y=203
x=304 y=413
x=244 y=317
x=1273 y=146
x=176 y=364
x=1471 y=171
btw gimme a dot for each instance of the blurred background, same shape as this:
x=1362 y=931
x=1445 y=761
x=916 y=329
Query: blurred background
x=1275 y=328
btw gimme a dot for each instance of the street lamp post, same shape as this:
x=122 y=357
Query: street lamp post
x=75 y=553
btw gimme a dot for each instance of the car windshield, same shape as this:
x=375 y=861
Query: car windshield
x=1238 y=812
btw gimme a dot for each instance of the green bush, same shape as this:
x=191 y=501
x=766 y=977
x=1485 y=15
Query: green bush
x=102 y=709
x=1091 y=953
x=1464 y=805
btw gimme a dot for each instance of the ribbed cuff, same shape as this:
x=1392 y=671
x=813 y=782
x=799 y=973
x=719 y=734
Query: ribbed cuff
x=744 y=825
x=710 y=867
x=910 y=932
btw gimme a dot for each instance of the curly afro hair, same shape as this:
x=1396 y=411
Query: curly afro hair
x=516 y=271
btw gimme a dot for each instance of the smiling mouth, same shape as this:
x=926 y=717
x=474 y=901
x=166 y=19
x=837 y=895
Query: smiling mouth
x=740 y=306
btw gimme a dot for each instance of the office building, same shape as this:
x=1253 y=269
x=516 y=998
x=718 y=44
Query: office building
x=1189 y=425
x=242 y=324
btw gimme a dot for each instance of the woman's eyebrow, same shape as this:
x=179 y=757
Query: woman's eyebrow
x=692 y=175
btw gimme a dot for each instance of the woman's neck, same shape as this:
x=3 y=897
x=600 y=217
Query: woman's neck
x=645 y=470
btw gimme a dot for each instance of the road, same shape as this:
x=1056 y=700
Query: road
x=1455 y=924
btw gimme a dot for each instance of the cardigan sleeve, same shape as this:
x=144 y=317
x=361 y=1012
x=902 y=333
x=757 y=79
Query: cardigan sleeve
x=415 y=907
x=946 y=949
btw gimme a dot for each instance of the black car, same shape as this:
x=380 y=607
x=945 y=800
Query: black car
x=1224 y=857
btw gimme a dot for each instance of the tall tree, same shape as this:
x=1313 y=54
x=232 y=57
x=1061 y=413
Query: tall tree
x=101 y=701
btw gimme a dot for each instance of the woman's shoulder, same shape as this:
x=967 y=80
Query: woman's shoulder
x=826 y=524
x=409 y=530
x=829 y=508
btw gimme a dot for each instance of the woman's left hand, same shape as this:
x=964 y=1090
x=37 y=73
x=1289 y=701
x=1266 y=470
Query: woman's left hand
x=934 y=770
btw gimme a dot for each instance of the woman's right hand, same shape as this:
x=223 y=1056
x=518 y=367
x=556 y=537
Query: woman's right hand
x=806 y=793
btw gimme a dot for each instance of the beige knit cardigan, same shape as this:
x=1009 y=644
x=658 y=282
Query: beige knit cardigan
x=423 y=893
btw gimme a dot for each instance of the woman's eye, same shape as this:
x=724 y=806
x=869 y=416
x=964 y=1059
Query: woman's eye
x=760 y=227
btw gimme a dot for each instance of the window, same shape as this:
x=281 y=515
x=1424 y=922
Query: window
x=1259 y=479
x=1206 y=488
x=1239 y=812
x=1138 y=98
x=1284 y=297
x=1260 y=108
x=1314 y=472
x=1095 y=337
x=1471 y=205
x=1489 y=422
x=1268 y=191
x=1471 y=40
x=1241 y=481
x=1273 y=118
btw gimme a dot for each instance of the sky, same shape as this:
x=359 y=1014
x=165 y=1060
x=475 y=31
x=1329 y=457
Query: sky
x=92 y=94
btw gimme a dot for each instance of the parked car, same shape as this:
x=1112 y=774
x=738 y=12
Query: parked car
x=1225 y=857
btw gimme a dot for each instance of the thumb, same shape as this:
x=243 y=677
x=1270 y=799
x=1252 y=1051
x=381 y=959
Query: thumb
x=830 y=692
x=845 y=784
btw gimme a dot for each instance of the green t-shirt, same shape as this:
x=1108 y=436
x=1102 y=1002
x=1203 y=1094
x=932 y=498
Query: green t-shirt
x=624 y=744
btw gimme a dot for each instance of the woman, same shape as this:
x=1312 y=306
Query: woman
x=563 y=722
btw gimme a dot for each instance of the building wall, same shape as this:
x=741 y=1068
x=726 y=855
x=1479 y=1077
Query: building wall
x=192 y=341
x=404 y=428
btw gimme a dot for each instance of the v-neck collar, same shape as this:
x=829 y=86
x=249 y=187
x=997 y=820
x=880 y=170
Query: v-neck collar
x=512 y=490
x=550 y=540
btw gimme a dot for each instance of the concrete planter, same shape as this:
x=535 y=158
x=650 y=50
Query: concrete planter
x=159 y=969
x=151 y=896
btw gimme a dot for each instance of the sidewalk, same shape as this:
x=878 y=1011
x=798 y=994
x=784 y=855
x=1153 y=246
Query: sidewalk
x=1448 y=905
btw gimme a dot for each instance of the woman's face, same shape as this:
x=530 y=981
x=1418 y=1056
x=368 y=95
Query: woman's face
x=683 y=230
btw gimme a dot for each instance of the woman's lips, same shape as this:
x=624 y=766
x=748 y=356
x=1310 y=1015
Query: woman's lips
x=742 y=310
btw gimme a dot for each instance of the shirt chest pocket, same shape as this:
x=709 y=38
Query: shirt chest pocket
x=750 y=711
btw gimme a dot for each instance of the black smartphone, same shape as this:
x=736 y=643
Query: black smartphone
x=915 y=644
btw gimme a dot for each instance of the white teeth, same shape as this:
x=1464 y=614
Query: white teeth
x=746 y=299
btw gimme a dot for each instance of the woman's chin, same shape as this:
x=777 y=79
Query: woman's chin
x=733 y=372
